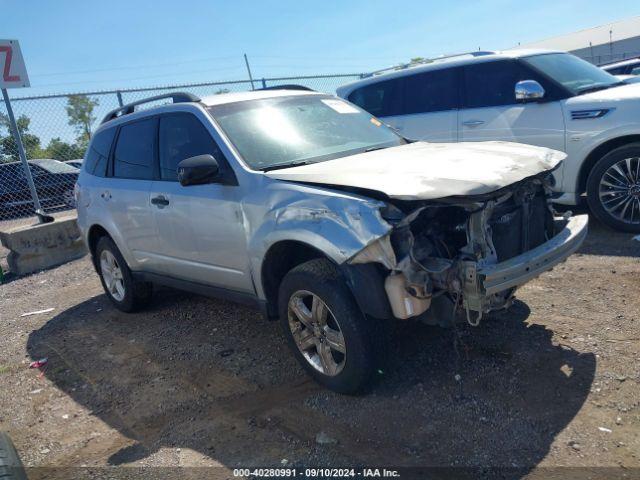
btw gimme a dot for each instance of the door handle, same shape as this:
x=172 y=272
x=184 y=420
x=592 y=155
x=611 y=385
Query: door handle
x=473 y=123
x=160 y=201
x=106 y=195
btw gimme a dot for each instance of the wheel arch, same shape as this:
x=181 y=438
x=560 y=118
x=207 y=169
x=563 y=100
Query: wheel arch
x=597 y=153
x=281 y=258
x=94 y=234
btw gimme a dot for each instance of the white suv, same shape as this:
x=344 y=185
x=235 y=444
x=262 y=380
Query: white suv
x=545 y=98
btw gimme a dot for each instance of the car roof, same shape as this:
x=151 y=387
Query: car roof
x=224 y=98
x=33 y=160
x=208 y=101
x=439 y=64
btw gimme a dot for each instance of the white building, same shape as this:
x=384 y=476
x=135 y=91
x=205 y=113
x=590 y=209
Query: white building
x=601 y=44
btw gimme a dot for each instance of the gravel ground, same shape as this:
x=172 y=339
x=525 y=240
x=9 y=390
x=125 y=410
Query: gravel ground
x=194 y=382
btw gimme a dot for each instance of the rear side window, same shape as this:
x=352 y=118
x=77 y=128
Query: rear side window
x=183 y=136
x=432 y=91
x=95 y=161
x=381 y=99
x=492 y=84
x=134 y=153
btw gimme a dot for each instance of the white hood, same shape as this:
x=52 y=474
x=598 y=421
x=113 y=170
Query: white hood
x=424 y=171
x=623 y=93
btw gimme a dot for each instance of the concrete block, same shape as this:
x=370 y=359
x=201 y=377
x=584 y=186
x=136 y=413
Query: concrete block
x=36 y=247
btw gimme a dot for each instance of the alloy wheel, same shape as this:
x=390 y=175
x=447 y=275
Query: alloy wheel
x=619 y=190
x=316 y=333
x=112 y=275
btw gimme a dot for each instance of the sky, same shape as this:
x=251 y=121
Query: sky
x=90 y=45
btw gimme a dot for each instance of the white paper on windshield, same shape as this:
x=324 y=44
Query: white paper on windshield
x=340 y=106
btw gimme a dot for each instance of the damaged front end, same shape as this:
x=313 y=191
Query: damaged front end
x=471 y=252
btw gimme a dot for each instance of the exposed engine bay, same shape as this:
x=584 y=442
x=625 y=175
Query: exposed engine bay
x=437 y=248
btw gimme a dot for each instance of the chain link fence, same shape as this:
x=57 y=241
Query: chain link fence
x=605 y=58
x=56 y=129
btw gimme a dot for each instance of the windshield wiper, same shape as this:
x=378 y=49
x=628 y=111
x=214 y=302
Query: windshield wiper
x=280 y=166
x=373 y=149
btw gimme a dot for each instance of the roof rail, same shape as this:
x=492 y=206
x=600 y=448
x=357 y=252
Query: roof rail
x=290 y=86
x=177 y=97
x=402 y=66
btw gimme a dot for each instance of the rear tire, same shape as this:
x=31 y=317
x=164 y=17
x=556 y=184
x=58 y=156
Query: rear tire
x=315 y=290
x=11 y=467
x=613 y=189
x=125 y=293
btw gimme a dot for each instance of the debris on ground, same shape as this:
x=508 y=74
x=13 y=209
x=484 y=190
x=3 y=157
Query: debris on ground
x=37 y=312
x=323 y=439
x=39 y=363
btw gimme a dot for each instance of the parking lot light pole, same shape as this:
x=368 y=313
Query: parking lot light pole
x=23 y=158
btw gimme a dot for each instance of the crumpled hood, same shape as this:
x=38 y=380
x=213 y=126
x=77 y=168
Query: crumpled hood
x=425 y=171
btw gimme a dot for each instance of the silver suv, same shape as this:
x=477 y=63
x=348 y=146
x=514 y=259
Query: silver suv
x=312 y=210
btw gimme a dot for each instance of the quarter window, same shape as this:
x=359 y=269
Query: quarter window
x=183 y=136
x=134 y=154
x=95 y=161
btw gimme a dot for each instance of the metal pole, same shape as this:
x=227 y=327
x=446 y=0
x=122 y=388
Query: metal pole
x=119 y=95
x=23 y=158
x=246 y=61
x=264 y=83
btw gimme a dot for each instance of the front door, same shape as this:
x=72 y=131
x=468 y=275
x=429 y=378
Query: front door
x=492 y=113
x=200 y=229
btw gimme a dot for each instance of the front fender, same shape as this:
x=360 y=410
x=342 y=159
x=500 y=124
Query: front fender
x=582 y=141
x=339 y=225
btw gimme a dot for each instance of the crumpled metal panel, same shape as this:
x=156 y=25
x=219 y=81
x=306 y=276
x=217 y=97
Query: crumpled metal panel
x=339 y=225
x=427 y=171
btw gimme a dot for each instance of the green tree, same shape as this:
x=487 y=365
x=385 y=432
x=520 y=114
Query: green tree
x=8 y=146
x=59 y=150
x=81 y=117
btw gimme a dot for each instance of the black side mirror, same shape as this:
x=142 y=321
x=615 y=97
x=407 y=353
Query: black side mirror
x=198 y=170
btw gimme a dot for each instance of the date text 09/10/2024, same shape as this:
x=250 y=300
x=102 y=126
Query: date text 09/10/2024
x=316 y=472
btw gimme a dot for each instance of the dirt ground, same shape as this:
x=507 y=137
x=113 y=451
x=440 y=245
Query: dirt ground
x=194 y=382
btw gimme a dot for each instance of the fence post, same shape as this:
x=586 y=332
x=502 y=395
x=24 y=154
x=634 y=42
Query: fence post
x=119 y=95
x=23 y=158
x=264 y=83
x=246 y=62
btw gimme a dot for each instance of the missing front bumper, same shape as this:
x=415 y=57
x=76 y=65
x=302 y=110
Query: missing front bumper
x=482 y=283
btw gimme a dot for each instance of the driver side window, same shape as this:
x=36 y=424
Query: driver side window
x=183 y=136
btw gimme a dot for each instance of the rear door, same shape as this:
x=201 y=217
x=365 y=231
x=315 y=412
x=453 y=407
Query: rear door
x=126 y=193
x=382 y=99
x=200 y=227
x=421 y=106
x=492 y=113
x=430 y=106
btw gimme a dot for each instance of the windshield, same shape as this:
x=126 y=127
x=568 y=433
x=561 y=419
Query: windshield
x=283 y=131
x=576 y=75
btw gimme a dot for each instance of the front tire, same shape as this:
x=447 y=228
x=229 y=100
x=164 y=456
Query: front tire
x=325 y=329
x=125 y=293
x=613 y=189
